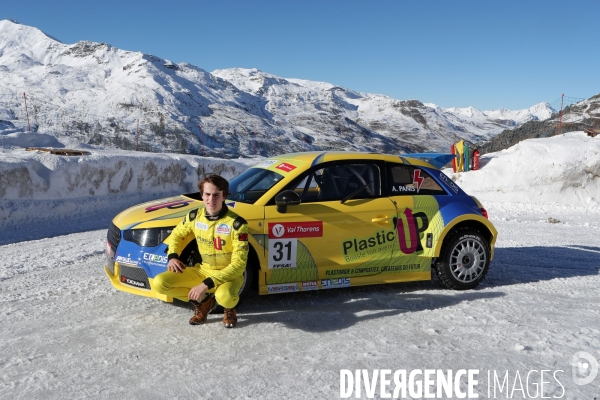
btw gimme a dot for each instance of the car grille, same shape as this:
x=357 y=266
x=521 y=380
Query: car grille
x=134 y=276
x=113 y=236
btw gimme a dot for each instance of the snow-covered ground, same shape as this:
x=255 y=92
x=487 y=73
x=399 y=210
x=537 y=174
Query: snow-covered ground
x=67 y=334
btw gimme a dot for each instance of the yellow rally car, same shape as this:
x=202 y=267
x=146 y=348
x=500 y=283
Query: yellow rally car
x=324 y=220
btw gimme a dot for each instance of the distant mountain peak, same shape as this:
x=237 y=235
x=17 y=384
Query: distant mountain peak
x=102 y=95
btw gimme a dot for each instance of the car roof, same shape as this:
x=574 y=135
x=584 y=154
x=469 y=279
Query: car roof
x=318 y=157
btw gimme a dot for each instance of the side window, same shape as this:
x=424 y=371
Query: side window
x=409 y=181
x=307 y=188
x=336 y=182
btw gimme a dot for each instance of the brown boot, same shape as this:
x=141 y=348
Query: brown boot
x=229 y=318
x=202 y=309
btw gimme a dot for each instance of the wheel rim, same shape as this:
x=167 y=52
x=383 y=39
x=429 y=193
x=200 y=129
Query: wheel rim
x=467 y=260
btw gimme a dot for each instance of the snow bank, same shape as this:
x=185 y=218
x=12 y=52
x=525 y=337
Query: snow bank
x=39 y=190
x=40 y=175
x=562 y=170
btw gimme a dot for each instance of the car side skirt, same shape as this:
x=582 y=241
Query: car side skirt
x=344 y=282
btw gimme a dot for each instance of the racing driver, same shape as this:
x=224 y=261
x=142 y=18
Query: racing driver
x=222 y=238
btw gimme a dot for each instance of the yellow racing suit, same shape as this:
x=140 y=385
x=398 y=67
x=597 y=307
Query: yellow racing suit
x=223 y=245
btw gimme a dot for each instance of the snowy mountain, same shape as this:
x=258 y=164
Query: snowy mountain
x=97 y=94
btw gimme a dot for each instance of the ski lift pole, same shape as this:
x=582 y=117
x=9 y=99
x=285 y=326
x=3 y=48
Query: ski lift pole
x=561 y=113
x=27 y=113
x=137 y=135
x=202 y=139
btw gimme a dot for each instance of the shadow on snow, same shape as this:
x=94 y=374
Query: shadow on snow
x=322 y=311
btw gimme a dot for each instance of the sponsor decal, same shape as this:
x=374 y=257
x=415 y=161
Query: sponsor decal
x=335 y=283
x=282 y=265
x=277 y=230
x=156 y=258
x=409 y=230
x=282 y=288
x=402 y=188
x=353 y=271
x=205 y=241
x=417 y=179
x=126 y=260
x=223 y=229
x=406 y=267
x=218 y=243
x=358 y=248
x=266 y=163
x=238 y=222
x=286 y=167
x=202 y=226
x=311 y=285
x=449 y=182
x=230 y=204
x=170 y=205
x=132 y=282
x=283 y=241
x=243 y=237
x=295 y=229
x=414 y=230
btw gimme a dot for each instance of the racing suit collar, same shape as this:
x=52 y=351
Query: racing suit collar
x=219 y=215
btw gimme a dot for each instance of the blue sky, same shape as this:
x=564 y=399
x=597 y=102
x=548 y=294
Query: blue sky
x=510 y=54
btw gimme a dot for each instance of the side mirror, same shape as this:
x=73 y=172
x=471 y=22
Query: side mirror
x=286 y=198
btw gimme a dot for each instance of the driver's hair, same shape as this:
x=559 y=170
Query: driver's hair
x=217 y=180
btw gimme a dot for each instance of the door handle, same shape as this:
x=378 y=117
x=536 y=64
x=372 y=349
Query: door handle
x=381 y=220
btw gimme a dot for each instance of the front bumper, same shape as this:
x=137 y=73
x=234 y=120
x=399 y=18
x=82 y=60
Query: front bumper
x=131 y=280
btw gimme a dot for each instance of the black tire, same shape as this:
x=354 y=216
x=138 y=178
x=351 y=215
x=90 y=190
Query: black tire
x=250 y=285
x=464 y=260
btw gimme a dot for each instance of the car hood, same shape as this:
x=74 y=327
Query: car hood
x=157 y=213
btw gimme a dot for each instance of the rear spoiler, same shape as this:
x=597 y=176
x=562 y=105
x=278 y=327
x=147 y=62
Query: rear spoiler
x=438 y=160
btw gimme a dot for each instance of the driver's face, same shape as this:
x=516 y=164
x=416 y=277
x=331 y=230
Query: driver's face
x=212 y=197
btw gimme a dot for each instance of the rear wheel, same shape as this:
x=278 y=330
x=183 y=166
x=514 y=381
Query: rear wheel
x=464 y=260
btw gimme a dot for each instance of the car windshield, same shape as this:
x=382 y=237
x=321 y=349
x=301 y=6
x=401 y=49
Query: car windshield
x=252 y=184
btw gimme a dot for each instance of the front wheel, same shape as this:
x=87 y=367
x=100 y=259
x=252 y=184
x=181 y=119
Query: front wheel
x=464 y=260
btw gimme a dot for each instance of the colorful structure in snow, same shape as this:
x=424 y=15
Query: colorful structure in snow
x=466 y=156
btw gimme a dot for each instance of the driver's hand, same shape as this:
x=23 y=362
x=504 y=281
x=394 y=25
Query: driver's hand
x=175 y=265
x=197 y=292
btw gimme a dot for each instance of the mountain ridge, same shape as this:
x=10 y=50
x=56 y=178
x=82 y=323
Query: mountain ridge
x=98 y=94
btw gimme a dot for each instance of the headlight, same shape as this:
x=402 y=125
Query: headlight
x=110 y=256
x=151 y=237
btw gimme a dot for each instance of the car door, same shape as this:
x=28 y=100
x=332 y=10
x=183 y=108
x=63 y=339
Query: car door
x=342 y=230
x=419 y=225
